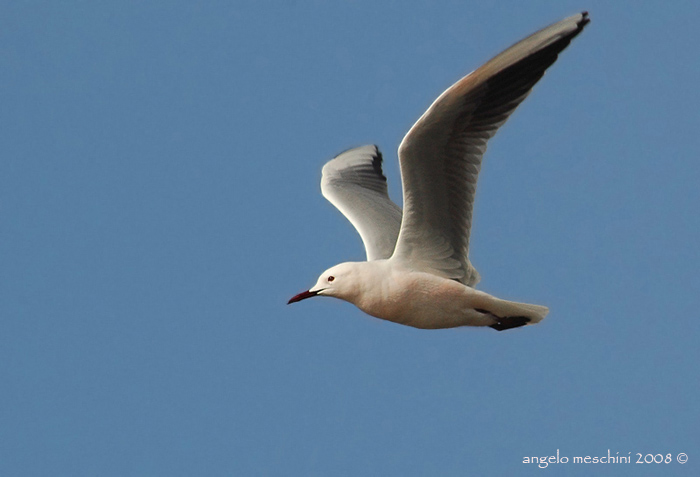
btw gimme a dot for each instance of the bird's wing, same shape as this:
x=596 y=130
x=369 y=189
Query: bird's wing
x=440 y=157
x=353 y=182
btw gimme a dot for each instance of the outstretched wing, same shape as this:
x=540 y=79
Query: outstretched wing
x=353 y=182
x=441 y=155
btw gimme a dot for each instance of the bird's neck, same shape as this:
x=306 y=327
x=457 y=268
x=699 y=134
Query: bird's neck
x=370 y=283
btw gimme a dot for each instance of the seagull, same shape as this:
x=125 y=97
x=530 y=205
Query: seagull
x=418 y=271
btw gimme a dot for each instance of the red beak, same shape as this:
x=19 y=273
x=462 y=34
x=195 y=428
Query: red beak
x=302 y=296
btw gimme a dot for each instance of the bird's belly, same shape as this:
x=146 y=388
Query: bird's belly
x=429 y=302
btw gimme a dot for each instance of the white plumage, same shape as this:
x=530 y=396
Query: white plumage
x=418 y=271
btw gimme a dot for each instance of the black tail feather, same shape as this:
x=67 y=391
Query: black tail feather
x=508 y=322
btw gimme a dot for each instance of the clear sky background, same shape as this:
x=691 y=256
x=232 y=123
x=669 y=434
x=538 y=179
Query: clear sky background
x=160 y=203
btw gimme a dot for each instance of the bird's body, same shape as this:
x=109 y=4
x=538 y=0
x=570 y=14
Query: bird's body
x=390 y=290
x=418 y=271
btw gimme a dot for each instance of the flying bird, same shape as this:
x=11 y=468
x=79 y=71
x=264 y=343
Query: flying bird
x=418 y=271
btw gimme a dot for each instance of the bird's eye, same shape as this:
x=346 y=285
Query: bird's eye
x=331 y=278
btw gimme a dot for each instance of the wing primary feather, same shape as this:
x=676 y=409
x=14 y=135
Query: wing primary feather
x=441 y=155
x=354 y=183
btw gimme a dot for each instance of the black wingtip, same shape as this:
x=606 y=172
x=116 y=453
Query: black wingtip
x=377 y=162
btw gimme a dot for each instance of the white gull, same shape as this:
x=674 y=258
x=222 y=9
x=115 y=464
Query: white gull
x=418 y=271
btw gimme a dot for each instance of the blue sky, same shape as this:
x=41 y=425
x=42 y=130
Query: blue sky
x=160 y=203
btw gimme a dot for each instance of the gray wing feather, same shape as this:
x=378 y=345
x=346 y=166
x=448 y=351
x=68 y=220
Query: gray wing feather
x=441 y=155
x=354 y=183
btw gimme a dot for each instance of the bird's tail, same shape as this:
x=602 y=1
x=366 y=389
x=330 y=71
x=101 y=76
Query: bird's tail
x=511 y=314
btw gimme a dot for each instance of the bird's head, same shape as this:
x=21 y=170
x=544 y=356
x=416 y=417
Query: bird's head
x=338 y=281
